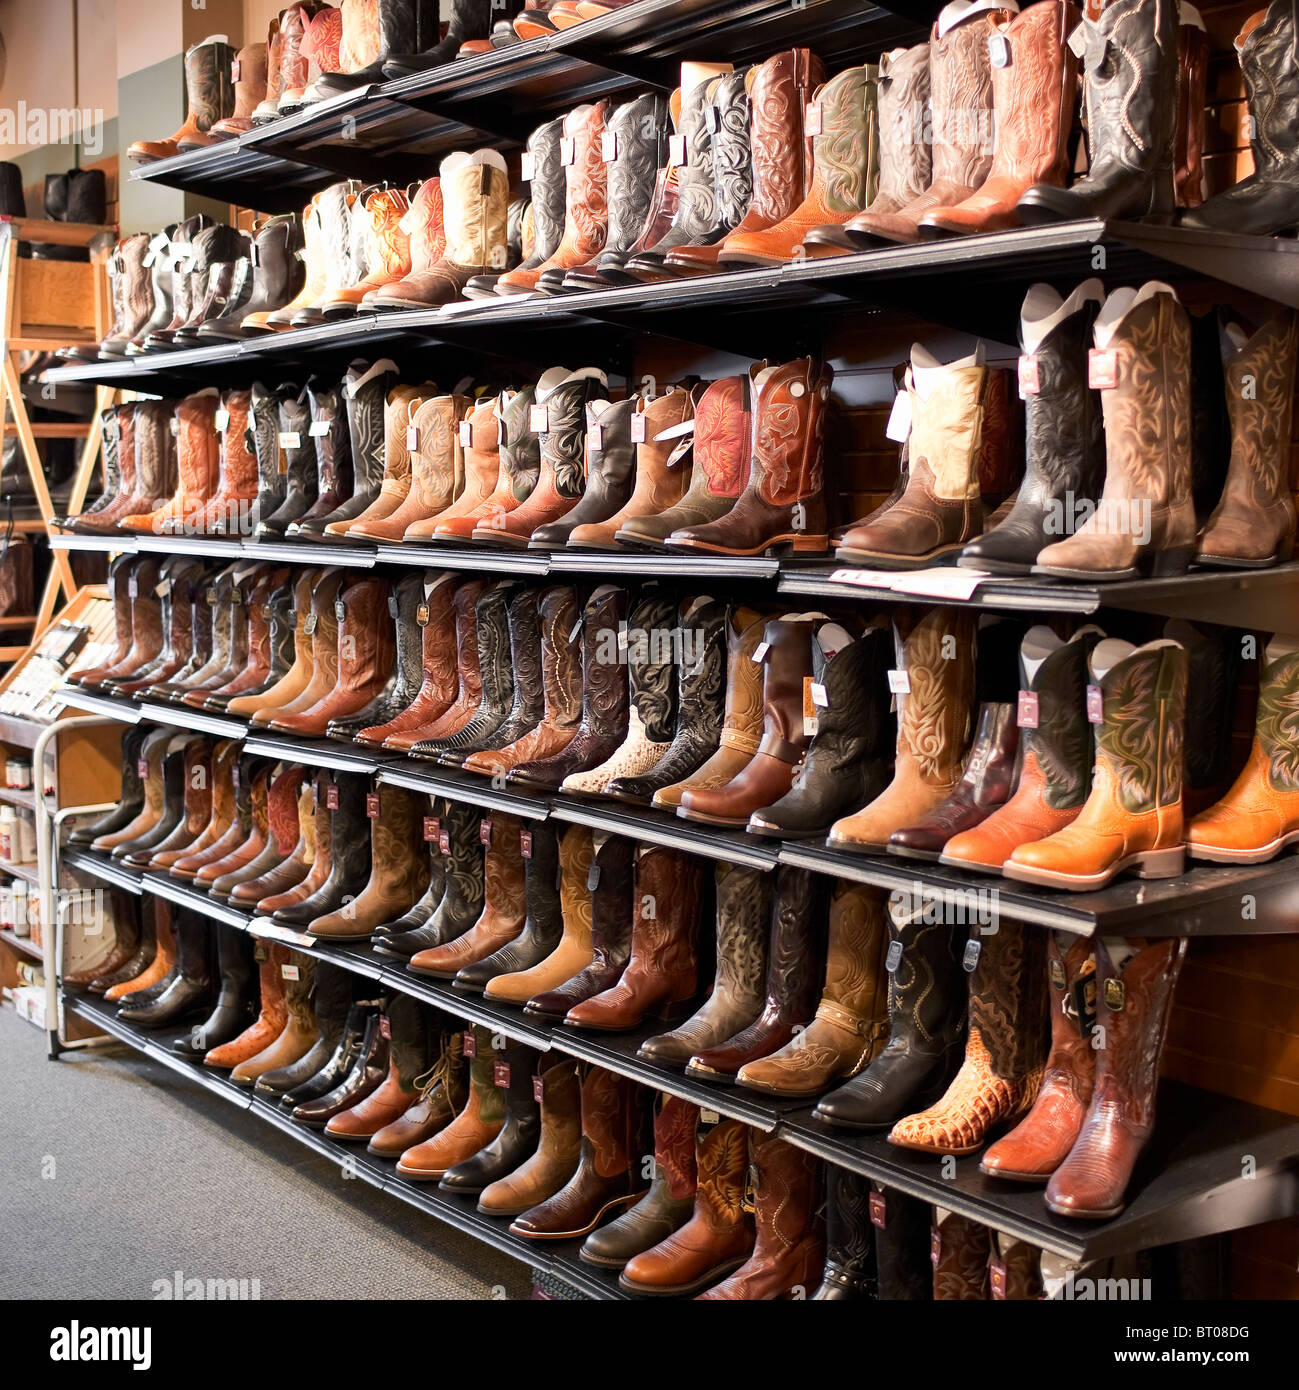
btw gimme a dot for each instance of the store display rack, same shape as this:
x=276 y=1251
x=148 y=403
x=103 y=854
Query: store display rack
x=1189 y=1182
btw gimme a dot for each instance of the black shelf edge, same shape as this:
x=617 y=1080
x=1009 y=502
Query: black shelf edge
x=474 y=1008
x=669 y=564
x=463 y=786
x=102 y=867
x=662 y=828
x=195 y=899
x=200 y=721
x=314 y=752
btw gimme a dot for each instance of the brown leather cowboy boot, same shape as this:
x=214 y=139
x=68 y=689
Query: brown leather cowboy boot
x=518 y=456
x=322 y=627
x=248 y=72
x=269 y=1023
x=436 y=620
x=395 y=488
x=426 y=243
x=477 y=1124
x=211 y=99
x=299 y=1032
x=296 y=679
x=558 y=1089
x=438 y=465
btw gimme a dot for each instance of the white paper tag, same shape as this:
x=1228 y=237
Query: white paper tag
x=222 y=421
x=609 y=146
x=527 y=166
x=412 y=438
x=466 y=434
x=813 y=119
x=568 y=149
x=290 y=972
x=538 y=419
x=1078 y=42
x=677 y=151
x=290 y=439
x=639 y=430
x=899 y=683
x=595 y=435
x=819 y=697
x=899 y=425
x=760 y=651
x=319 y=428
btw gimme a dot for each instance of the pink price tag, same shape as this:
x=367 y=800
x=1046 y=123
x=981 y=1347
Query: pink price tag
x=331 y=797
x=471 y=1043
x=538 y=1089
x=813 y=119
x=431 y=829
x=1095 y=705
x=235 y=69
x=525 y=843
x=1026 y=717
x=372 y=805
x=639 y=431
x=501 y=1075
x=385 y=1026
x=444 y=842
x=997 y=1278
x=595 y=435
x=485 y=830
x=935 y=1246
x=466 y=433
x=878 y=1209
x=1102 y=369
x=1029 y=381
x=412 y=438
x=142 y=768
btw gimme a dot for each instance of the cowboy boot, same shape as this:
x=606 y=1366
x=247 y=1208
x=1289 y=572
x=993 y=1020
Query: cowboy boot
x=850 y=1025
x=313 y=258
x=130 y=799
x=395 y=485
x=476 y=1125
x=661 y=977
x=340 y=247
x=558 y=417
x=852 y=734
x=1133 y=814
x=1137 y=978
x=158 y=261
x=1130 y=73
x=119 y=575
x=586 y=207
x=154 y=970
x=176 y=595
x=905 y=161
x=103 y=519
x=404 y=684
x=388 y=255
x=507 y=438
x=218 y=776
x=146 y=624
x=325 y=483
x=191 y=988
x=548 y=190
x=608 y=1176
x=298 y=460
x=316 y=821
x=1254 y=524
x=331 y=1003
x=767 y=776
x=211 y=99
x=937 y=658
x=108 y=441
x=788 y=1258
x=1066 y=442
x=609 y=884
x=409 y=1057
x=610 y=265
x=999 y=1079
x=1015 y=1269
x=437 y=467
x=264 y=426
x=373 y=34
x=719 y=1235
x=941 y=507
x=960 y=1249
x=208 y=248
x=323 y=47
x=229 y=511
x=200 y=642
x=281 y=830
x=610 y=472
x=268 y=108
x=795 y=974
x=1033 y=117
x=779 y=91
x=368 y=1072
x=1055 y=770
x=556 y=1088
x=293 y=839
x=348 y=861
x=293 y=684
x=178 y=258
x=280 y=275
x=198 y=469
x=133 y=954
x=1040 y=1143
x=251 y=792
x=651 y=696
x=604 y=719
x=464 y=890
x=1145 y=520
x=441 y=1092
x=528 y=968
x=248 y=74
x=138 y=433
x=131 y=269
x=466 y=445
x=136 y=852
x=515 y=1074
x=743 y=911
x=841 y=123
x=783 y=503
x=366 y=391
x=713 y=114
x=1193 y=49
x=422 y=225
x=719 y=469
x=435 y=621
x=299 y=1032
x=1259 y=816
x=849 y=1240
x=635 y=146
x=295 y=57
x=224 y=288
x=503 y=915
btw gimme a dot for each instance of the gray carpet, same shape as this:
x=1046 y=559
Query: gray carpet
x=152 y=1174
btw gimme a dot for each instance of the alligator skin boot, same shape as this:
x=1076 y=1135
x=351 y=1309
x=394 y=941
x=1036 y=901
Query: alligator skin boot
x=609 y=887
x=718 y=1236
x=937 y=657
x=547 y=188
x=941 y=507
x=609 y=1166
x=475 y=207
x=1040 y=1143
x=475 y=1126
x=555 y=1087
x=1066 y=441
x=795 y=975
x=1145 y=520
x=559 y=418
x=1253 y=526
x=515 y=1073
x=403 y=686
x=249 y=75
x=395 y=482
x=662 y=974
x=743 y=911
x=719 y=468
x=715 y=179
x=636 y=135
x=1266 y=201
x=848 y=761
x=652 y=693
x=586 y=205
x=347 y=862
x=768 y=774
x=1055 y=763
x=610 y=473
x=409 y=1057
x=1034 y=80
x=1259 y=816
x=999 y=1079
x=778 y=93
x=742 y=724
x=840 y=122
x=508 y=437
x=783 y=503
x=604 y=720
x=960 y=1250
x=211 y=99
x=1132 y=818
x=504 y=907
x=1136 y=978
x=191 y=988
x=851 y=1021
x=439 y=679
x=441 y=1091
x=849 y=1240
x=571 y=916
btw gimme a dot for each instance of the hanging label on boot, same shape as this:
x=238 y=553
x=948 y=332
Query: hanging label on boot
x=538 y=1089
x=394 y=608
x=331 y=796
x=609 y=146
x=525 y=843
x=893 y=958
x=810 y=720
x=898 y=428
x=174 y=423
x=422 y=615
x=712 y=119
x=1077 y=41
x=997 y=1277
x=501 y=1075
x=676 y=151
x=372 y=805
x=340 y=609
x=1095 y=705
x=568 y=149
x=879 y=1209
x=538 y=419
x=1082 y=998
x=222 y=421
x=592 y=878
x=319 y=428
x=485 y=831
x=1102 y=369
x=310 y=625
x=999 y=50
x=290 y=439
x=1026 y=714
x=935 y=1245
x=813 y=119
x=471 y=1043
x=595 y=435
x=385 y=1027
x=142 y=768
x=639 y=433
x=1114 y=994
x=133 y=587
x=1030 y=382
x=431 y=829
x=290 y=972
x=236 y=69
x=760 y=652
x=412 y=438
x=527 y=166
x=899 y=683
x=444 y=841
x=466 y=434
x=971 y=957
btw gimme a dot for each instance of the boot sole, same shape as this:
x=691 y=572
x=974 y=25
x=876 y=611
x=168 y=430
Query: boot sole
x=886 y=561
x=1150 y=863
x=976 y=866
x=418 y=1175
x=585 y=1230
x=1096 y=1215
x=1216 y=855
x=714 y=1275
x=794 y=540
x=731 y=822
x=854 y=846
x=931 y=856
x=1029 y=1179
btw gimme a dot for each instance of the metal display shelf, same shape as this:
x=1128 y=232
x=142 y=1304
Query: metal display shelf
x=102 y=866
x=195 y=899
x=106 y=545
x=218 y=547
x=463 y=786
x=109 y=706
x=662 y=828
x=1189 y=1182
x=1208 y=900
x=310 y=553
x=470 y=1006
x=185 y=717
x=315 y=752
x=526 y=563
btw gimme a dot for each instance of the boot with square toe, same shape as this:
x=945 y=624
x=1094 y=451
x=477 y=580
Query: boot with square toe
x=518 y=456
x=475 y=1126
x=555 y=1161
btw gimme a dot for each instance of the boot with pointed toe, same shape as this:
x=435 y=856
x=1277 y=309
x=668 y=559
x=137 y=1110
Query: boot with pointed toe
x=506 y=437
x=411 y=1041
x=610 y=472
x=339 y=1064
x=395 y=478
x=298 y=1035
x=557 y=1089
x=366 y=1076
x=344 y=797
x=435 y=621
x=154 y=970
x=211 y=99
x=475 y=1126
x=322 y=491
x=849 y=1239
x=299 y=457
x=404 y=684
x=464 y=888
x=448 y=477
x=364 y=394
x=425 y=231
x=248 y=73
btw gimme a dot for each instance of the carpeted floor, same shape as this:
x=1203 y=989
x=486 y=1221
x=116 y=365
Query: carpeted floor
x=117 y=1173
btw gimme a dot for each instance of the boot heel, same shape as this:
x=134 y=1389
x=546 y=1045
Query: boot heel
x=677 y=1011
x=1162 y=863
x=1164 y=564
x=811 y=545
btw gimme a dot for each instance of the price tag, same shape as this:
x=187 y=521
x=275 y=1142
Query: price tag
x=595 y=435
x=394 y=608
x=466 y=433
x=133 y=587
x=1102 y=369
x=412 y=438
x=236 y=69
x=592 y=878
x=813 y=119
x=331 y=796
x=163 y=589
x=422 y=615
x=527 y=166
x=142 y=768
x=899 y=683
x=760 y=652
x=996 y=1265
x=485 y=831
x=525 y=843
x=340 y=609
x=819 y=698
x=319 y=428
x=290 y=439
x=935 y=1245
x=568 y=149
x=677 y=151
x=1078 y=42
x=471 y=1043
x=1095 y=705
x=999 y=50
x=893 y=958
x=444 y=842
x=385 y=1027
x=501 y=1075
x=1026 y=716
x=810 y=721
x=173 y=422
x=538 y=419
x=609 y=146
x=222 y=421
x=639 y=429
x=1029 y=380
x=709 y=1117
x=898 y=428
x=431 y=829
x=310 y=625
x=878 y=1209
x=538 y=1089
x=290 y=972
x=372 y=805
x=971 y=957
